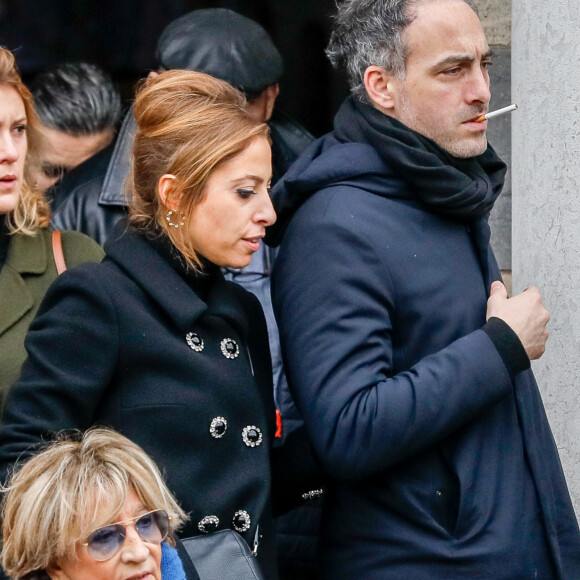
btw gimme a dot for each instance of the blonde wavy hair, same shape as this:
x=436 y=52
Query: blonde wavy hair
x=32 y=211
x=188 y=124
x=59 y=496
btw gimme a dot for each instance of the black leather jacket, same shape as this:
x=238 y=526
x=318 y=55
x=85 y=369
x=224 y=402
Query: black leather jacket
x=92 y=197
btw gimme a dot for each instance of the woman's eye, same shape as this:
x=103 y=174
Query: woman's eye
x=245 y=193
x=145 y=522
x=20 y=129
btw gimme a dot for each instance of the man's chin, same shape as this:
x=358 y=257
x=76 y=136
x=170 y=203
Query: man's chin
x=466 y=150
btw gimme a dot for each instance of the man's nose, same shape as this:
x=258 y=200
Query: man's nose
x=478 y=89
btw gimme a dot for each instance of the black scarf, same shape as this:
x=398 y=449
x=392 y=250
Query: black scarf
x=463 y=189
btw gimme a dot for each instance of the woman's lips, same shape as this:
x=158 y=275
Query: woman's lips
x=254 y=242
x=141 y=576
x=8 y=181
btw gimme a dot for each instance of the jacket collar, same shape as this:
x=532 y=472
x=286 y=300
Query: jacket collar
x=26 y=255
x=139 y=259
x=113 y=188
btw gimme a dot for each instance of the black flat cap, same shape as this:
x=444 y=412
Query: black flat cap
x=224 y=44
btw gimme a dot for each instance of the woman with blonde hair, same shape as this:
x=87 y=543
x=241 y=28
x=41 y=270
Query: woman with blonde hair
x=27 y=263
x=91 y=507
x=153 y=341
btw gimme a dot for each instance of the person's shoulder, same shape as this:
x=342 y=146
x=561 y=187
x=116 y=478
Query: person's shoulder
x=288 y=131
x=78 y=248
x=84 y=178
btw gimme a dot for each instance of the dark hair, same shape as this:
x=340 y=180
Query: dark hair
x=370 y=32
x=76 y=98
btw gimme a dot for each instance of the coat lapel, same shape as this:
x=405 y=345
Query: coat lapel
x=157 y=278
x=26 y=256
x=146 y=266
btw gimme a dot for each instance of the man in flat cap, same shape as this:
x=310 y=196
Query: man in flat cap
x=214 y=41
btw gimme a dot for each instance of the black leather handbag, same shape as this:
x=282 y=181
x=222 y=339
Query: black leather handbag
x=222 y=555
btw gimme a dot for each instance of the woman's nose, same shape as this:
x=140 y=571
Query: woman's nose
x=8 y=151
x=266 y=214
x=134 y=549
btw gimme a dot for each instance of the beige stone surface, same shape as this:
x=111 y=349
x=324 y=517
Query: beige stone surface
x=496 y=16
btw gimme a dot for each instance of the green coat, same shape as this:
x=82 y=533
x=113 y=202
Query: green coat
x=28 y=272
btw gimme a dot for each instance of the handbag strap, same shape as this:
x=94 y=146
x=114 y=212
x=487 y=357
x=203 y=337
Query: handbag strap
x=57 y=252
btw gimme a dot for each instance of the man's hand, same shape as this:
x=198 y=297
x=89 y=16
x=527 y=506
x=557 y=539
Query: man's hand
x=524 y=314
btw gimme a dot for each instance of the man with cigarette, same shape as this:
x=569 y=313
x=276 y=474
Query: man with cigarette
x=408 y=360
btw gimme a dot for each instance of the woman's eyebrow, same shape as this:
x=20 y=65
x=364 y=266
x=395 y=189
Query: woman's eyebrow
x=256 y=178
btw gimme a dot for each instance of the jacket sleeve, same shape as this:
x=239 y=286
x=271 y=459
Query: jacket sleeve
x=335 y=306
x=72 y=350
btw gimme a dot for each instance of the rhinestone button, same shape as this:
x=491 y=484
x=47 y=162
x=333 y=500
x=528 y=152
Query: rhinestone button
x=218 y=427
x=252 y=436
x=314 y=494
x=194 y=341
x=208 y=524
x=242 y=521
x=230 y=348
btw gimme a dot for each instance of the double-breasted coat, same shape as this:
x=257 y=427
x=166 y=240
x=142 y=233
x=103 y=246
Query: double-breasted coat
x=129 y=344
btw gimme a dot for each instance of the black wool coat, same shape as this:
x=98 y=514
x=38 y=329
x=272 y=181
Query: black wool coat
x=129 y=344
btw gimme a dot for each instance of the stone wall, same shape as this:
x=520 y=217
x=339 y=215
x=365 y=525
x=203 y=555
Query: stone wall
x=546 y=180
x=546 y=202
x=496 y=18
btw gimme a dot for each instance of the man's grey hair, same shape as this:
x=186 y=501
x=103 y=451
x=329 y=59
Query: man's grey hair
x=76 y=98
x=370 y=32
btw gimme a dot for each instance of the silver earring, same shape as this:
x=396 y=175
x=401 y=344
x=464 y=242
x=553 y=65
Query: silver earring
x=168 y=217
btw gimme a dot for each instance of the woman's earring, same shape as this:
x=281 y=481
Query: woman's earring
x=169 y=216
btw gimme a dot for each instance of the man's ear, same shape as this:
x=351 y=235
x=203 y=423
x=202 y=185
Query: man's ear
x=381 y=88
x=168 y=192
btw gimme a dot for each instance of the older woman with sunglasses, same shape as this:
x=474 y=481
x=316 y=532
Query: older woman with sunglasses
x=95 y=508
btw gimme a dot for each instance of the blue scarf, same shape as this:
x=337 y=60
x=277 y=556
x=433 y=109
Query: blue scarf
x=171 y=566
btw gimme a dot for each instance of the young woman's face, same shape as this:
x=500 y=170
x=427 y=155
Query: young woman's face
x=228 y=225
x=135 y=560
x=13 y=147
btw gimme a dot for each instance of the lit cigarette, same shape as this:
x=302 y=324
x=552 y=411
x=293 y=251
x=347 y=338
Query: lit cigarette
x=503 y=111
